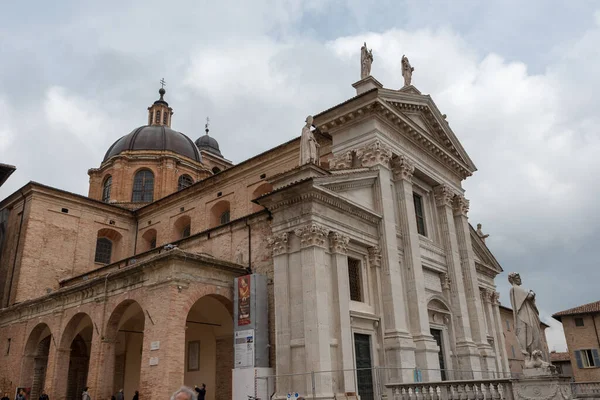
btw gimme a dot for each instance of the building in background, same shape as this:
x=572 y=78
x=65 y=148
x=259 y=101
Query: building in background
x=513 y=350
x=562 y=362
x=580 y=325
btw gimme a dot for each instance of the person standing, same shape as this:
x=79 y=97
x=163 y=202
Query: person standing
x=120 y=395
x=136 y=396
x=85 y=395
x=21 y=395
x=201 y=391
x=5 y=397
x=44 y=396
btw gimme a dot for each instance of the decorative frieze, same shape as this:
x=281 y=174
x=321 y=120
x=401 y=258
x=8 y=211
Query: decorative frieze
x=341 y=161
x=461 y=205
x=375 y=256
x=338 y=243
x=443 y=195
x=403 y=168
x=278 y=243
x=312 y=235
x=374 y=153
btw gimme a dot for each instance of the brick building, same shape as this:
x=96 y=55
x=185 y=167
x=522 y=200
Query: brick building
x=562 y=361
x=513 y=349
x=370 y=257
x=580 y=325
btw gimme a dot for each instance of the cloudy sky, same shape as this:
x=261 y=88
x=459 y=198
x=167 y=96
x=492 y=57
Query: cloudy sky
x=516 y=79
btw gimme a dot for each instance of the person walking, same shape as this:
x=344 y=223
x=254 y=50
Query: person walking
x=120 y=395
x=201 y=391
x=85 y=395
x=136 y=396
x=44 y=396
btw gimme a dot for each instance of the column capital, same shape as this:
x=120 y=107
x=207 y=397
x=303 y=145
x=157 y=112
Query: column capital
x=341 y=161
x=486 y=295
x=374 y=153
x=495 y=298
x=312 y=235
x=460 y=205
x=375 y=256
x=403 y=168
x=278 y=243
x=443 y=195
x=338 y=243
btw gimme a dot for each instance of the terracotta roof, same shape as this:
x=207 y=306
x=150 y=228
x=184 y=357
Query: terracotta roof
x=554 y=356
x=583 y=309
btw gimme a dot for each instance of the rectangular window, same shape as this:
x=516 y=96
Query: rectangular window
x=587 y=358
x=579 y=322
x=507 y=325
x=420 y=215
x=354 y=275
x=512 y=349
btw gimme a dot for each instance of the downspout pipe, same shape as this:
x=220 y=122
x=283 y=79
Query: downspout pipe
x=14 y=266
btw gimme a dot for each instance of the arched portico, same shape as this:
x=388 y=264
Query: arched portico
x=35 y=359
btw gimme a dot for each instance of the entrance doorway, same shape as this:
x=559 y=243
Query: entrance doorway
x=364 y=365
x=437 y=335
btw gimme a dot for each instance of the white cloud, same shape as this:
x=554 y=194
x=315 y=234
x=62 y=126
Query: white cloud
x=6 y=133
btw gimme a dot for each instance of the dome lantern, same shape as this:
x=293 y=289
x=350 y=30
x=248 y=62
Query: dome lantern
x=160 y=113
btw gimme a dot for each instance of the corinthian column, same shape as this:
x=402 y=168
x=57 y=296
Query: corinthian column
x=281 y=281
x=500 y=335
x=466 y=351
x=426 y=352
x=398 y=344
x=338 y=244
x=316 y=285
x=476 y=315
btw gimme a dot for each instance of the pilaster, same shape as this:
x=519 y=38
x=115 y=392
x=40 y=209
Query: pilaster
x=467 y=352
x=500 y=334
x=426 y=352
x=486 y=299
x=338 y=244
x=398 y=344
x=476 y=316
x=315 y=303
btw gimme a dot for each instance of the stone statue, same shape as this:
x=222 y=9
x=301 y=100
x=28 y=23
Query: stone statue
x=407 y=71
x=526 y=317
x=366 y=59
x=308 y=144
x=480 y=233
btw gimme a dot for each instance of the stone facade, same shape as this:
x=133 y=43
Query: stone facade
x=370 y=257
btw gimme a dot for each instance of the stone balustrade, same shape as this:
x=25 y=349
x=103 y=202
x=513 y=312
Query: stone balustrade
x=586 y=390
x=450 y=390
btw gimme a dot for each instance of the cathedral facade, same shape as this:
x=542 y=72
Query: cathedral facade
x=370 y=260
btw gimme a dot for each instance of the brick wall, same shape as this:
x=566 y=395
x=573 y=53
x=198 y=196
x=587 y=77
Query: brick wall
x=584 y=337
x=224 y=368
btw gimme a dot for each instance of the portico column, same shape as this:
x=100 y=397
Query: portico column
x=467 y=353
x=398 y=344
x=486 y=298
x=315 y=303
x=426 y=353
x=500 y=334
x=476 y=316
x=281 y=284
x=338 y=244
x=93 y=365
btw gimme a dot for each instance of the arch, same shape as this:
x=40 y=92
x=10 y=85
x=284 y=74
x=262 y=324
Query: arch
x=216 y=170
x=184 y=181
x=265 y=188
x=438 y=303
x=35 y=359
x=220 y=213
x=182 y=227
x=208 y=340
x=149 y=239
x=74 y=363
x=108 y=246
x=106 y=188
x=125 y=334
x=143 y=187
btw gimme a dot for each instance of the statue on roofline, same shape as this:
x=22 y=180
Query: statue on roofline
x=366 y=59
x=309 y=153
x=407 y=70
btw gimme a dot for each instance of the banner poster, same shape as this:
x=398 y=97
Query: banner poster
x=26 y=392
x=244 y=300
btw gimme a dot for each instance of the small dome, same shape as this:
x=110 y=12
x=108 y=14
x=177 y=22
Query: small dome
x=209 y=144
x=156 y=137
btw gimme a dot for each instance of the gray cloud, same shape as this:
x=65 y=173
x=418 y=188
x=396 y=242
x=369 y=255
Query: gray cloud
x=516 y=80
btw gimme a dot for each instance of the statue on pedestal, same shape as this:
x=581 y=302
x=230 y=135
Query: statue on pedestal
x=308 y=144
x=366 y=59
x=526 y=320
x=407 y=71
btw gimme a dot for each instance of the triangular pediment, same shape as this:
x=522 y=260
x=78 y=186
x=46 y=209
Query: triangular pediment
x=483 y=255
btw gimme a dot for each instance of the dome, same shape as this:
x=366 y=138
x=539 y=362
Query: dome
x=156 y=137
x=209 y=144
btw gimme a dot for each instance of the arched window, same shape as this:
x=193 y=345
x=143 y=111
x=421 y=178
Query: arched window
x=186 y=231
x=224 y=217
x=182 y=227
x=157 y=116
x=106 y=189
x=149 y=238
x=216 y=170
x=164 y=118
x=184 y=181
x=259 y=191
x=143 y=187
x=220 y=213
x=103 y=250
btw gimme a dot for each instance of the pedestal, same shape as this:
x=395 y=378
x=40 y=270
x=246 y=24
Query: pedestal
x=538 y=385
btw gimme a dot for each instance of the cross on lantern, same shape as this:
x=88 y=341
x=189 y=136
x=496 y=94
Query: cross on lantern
x=163 y=83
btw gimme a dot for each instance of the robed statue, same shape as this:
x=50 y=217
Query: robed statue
x=407 y=71
x=526 y=317
x=308 y=144
x=366 y=59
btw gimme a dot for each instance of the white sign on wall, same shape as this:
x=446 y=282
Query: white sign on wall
x=153 y=360
x=244 y=348
x=154 y=345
